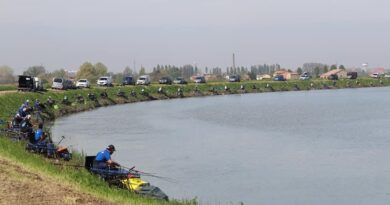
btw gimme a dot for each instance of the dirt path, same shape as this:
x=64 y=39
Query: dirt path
x=21 y=186
x=7 y=91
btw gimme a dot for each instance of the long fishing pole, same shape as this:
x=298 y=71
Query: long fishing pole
x=62 y=138
x=152 y=175
x=69 y=165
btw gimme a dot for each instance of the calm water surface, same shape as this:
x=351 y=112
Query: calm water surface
x=310 y=147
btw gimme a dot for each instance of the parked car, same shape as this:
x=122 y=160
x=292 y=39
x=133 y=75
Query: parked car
x=104 y=81
x=179 y=80
x=352 y=75
x=305 y=76
x=234 y=78
x=29 y=83
x=143 y=80
x=128 y=80
x=165 y=80
x=387 y=75
x=333 y=77
x=62 y=84
x=279 y=78
x=200 y=79
x=82 y=83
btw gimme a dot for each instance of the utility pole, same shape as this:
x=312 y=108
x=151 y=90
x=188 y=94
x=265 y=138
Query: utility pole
x=135 y=70
x=234 y=63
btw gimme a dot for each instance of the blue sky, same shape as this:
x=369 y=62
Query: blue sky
x=64 y=34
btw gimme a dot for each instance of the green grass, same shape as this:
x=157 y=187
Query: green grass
x=8 y=87
x=80 y=178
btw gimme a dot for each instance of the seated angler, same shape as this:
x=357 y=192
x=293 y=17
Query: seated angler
x=120 y=93
x=22 y=111
x=91 y=96
x=25 y=125
x=104 y=94
x=65 y=100
x=37 y=105
x=16 y=121
x=103 y=159
x=39 y=136
x=50 y=102
x=80 y=98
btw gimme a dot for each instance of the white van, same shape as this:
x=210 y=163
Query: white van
x=61 y=83
x=104 y=81
x=143 y=80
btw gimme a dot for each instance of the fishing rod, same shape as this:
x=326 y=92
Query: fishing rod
x=151 y=175
x=69 y=165
x=62 y=138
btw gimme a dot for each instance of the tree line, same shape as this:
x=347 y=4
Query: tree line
x=92 y=72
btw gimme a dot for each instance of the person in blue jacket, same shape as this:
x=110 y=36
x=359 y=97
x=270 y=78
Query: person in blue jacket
x=103 y=158
x=39 y=134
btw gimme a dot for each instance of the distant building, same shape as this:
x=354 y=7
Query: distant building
x=294 y=76
x=379 y=71
x=287 y=75
x=341 y=73
x=211 y=77
x=245 y=77
x=263 y=77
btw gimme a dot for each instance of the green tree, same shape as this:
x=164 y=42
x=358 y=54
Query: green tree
x=317 y=71
x=333 y=67
x=142 y=71
x=117 y=78
x=342 y=67
x=6 y=75
x=87 y=71
x=127 y=71
x=59 y=73
x=326 y=69
x=299 y=70
x=35 y=71
x=100 y=69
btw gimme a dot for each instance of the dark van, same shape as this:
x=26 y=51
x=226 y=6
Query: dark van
x=128 y=80
x=234 y=78
x=352 y=75
x=29 y=83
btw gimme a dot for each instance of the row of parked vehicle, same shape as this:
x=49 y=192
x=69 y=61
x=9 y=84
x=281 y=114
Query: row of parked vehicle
x=64 y=84
x=307 y=76
x=61 y=83
x=379 y=75
x=145 y=80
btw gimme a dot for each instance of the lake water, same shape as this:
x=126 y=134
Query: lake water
x=310 y=147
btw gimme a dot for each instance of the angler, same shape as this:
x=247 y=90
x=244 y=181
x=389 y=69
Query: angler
x=120 y=176
x=103 y=159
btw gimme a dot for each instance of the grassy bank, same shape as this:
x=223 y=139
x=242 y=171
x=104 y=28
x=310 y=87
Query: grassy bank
x=8 y=87
x=85 y=182
x=77 y=177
